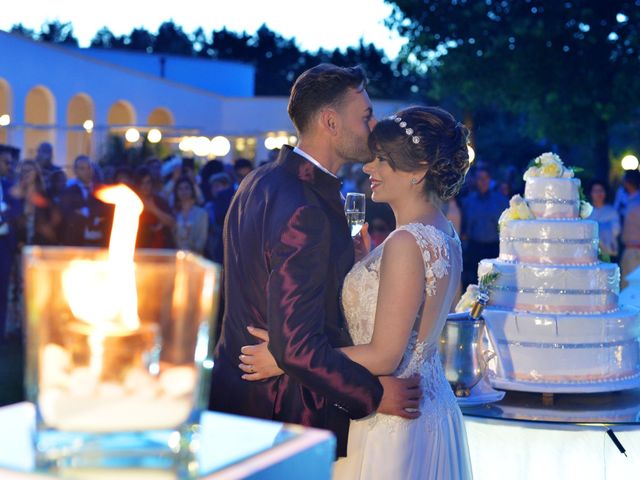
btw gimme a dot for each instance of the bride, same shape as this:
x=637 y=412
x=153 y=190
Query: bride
x=396 y=300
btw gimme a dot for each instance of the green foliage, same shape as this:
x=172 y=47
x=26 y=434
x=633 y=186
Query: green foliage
x=582 y=196
x=572 y=68
x=603 y=256
x=20 y=29
x=488 y=280
x=57 y=32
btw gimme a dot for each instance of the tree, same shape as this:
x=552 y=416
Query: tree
x=227 y=45
x=278 y=61
x=104 y=38
x=172 y=39
x=201 y=45
x=57 y=32
x=20 y=29
x=140 y=39
x=387 y=79
x=572 y=67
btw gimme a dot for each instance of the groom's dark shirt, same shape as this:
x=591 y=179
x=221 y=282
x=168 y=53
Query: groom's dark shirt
x=287 y=250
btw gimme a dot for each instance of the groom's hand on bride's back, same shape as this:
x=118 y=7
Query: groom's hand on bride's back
x=401 y=396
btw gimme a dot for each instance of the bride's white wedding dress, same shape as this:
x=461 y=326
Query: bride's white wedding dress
x=434 y=446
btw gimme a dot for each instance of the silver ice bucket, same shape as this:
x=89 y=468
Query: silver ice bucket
x=461 y=351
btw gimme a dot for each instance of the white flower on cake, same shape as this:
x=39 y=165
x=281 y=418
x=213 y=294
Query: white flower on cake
x=548 y=165
x=521 y=208
x=551 y=170
x=505 y=217
x=530 y=173
x=467 y=300
x=585 y=209
x=548 y=158
x=485 y=269
x=518 y=210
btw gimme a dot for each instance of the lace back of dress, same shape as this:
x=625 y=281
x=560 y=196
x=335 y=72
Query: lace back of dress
x=442 y=265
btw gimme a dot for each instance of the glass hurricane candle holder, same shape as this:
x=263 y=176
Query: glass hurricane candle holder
x=110 y=391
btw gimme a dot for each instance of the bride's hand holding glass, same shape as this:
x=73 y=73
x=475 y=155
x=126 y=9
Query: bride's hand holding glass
x=362 y=243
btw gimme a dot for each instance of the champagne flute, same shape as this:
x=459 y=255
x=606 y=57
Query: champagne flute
x=354 y=209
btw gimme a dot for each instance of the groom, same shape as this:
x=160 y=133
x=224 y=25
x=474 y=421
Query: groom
x=287 y=250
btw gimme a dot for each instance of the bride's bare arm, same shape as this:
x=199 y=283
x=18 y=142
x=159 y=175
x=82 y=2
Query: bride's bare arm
x=400 y=294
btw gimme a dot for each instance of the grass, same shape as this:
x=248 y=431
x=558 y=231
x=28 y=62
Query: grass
x=11 y=371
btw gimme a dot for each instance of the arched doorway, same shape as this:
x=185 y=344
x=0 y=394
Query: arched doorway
x=79 y=110
x=39 y=117
x=121 y=114
x=5 y=108
x=160 y=117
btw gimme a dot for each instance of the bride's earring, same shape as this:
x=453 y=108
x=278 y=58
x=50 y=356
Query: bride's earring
x=414 y=181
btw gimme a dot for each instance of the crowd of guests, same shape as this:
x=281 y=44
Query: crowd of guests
x=41 y=205
x=185 y=209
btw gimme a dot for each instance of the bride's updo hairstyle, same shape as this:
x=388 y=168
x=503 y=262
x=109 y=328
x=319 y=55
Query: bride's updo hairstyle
x=419 y=137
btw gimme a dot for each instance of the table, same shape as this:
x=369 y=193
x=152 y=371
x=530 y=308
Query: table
x=521 y=437
x=231 y=447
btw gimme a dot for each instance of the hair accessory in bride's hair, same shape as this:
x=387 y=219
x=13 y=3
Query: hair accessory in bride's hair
x=408 y=130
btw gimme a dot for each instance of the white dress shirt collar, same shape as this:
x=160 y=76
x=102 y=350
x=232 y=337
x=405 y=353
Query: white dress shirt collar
x=304 y=154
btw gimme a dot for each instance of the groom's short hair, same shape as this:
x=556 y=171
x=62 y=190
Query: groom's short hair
x=321 y=86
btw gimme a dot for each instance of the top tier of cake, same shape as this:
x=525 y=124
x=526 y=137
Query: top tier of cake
x=553 y=197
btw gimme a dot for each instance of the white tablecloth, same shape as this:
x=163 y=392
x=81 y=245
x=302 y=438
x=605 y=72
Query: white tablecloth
x=502 y=449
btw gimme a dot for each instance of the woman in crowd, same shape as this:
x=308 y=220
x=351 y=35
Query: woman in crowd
x=35 y=216
x=156 y=221
x=608 y=219
x=35 y=220
x=192 y=222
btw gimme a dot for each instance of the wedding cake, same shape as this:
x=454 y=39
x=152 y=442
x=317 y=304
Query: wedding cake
x=553 y=317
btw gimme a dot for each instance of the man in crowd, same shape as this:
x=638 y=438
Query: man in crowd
x=241 y=168
x=87 y=220
x=44 y=157
x=631 y=226
x=6 y=237
x=481 y=210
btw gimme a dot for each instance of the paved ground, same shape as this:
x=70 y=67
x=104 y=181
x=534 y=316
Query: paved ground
x=11 y=372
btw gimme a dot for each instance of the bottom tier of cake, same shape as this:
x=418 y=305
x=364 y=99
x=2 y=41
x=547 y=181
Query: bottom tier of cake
x=564 y=353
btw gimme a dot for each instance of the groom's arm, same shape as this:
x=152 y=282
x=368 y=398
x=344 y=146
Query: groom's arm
x=299 y=265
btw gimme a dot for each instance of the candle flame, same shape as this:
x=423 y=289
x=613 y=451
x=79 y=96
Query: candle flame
x=103 y=293
x=125 y=221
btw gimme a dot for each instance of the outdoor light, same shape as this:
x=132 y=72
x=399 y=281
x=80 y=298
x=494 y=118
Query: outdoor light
x=630 y=162
x=293 y=140
x=132 y=135
x=5 y=120
x=186 y=144
x=220 y=146
x=201 y=146
x=88 y=125
x=282 y=140
x=270 y=143
x=154 y=135
x=472 y=153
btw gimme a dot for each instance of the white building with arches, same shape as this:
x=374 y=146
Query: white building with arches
x=75 y=98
